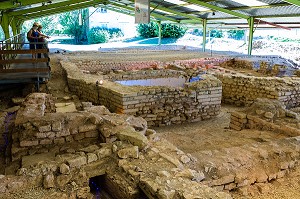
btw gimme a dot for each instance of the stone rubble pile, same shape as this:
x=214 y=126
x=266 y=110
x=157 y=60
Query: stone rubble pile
x=249 y=169
x=133 y=157
x=237 y=63
x=266 y=114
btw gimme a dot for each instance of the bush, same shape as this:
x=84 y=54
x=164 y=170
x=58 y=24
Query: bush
x=172 y=30
x=103 y=35
x=168 y=30
x=197 y=32
x=216 y=33
x=236 y=34
x=148 y=30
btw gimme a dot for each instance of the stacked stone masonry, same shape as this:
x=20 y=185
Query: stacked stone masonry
x=242 y=90
x=121 y=161
x=159 y=105
x=240 y=121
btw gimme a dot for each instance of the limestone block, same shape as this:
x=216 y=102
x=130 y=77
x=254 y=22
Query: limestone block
x=129 y=152
x=79 y=136
x=103 y=152
x=59 y=140
x=77 y=161
x=62 y=133
x=64 y=169
x=41 y=135
x=62 y=180
x=91 y=157
x=46 y=141
x=56 y=126
x=128 y=133
x=91 y=134
x=45 y=128
x=86 y=128
x=26 y=143
x=49 y=181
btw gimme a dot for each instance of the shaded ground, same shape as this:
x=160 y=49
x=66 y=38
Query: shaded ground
x=213 y=134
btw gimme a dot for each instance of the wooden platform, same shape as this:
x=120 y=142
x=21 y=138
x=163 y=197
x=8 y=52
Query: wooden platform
x=23 y=66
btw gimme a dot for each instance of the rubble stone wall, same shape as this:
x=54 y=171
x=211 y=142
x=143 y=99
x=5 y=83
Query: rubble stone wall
x=106 y=67
x=243 y=90
x=239 y=121
x=157 y=104
x=38 y=128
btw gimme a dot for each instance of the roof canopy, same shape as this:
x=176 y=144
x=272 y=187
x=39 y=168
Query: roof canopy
x=225 y=13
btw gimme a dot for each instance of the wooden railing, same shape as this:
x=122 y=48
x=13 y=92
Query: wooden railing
x=8 y=56
x=13 y=43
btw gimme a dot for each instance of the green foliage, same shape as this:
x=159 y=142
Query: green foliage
x=236 y=34
x=216 y=33
x=284 y=39
x=168 y=30
x=172 y=30
x=70 y=23
x=197 y=32
x=2 y=37
x=102 y=35
x=148 y=30
x=47 y=22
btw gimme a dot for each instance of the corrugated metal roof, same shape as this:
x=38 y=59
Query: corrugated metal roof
x=215 y=11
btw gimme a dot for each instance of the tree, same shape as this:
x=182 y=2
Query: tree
x=49 y=23
x=72 y=27
x=2 y=37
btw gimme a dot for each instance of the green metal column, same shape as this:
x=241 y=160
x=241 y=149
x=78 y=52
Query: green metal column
x=14 y=27
x=204 y=24
x=159 y=32
x=251 y=31
x=5 y=25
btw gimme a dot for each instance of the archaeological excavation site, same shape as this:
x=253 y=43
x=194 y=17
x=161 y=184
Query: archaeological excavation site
x=150 y=99
x=166 y=124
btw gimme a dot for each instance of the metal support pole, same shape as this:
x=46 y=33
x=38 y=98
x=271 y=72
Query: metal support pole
x=14 y=27
x=159 y=32
x=204 y=28
x=251 y=31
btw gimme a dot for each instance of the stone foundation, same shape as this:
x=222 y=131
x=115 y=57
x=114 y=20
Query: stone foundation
x=67 y=166
x=243 y=90
x=159 y=105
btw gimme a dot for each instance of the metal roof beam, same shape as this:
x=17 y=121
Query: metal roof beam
x=158 y=16
x=216 y=8
x=276 y=5
x=176 y=12
x=52 y=6
x=57 y=11
x=119 y=11
x=294 y=2
x=10 y=4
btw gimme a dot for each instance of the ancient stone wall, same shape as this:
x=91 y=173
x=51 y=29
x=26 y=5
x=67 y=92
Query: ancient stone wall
x=121 y=162
x=106 y=67
x=157 y=104
x=38 y=128
x=243 y=90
